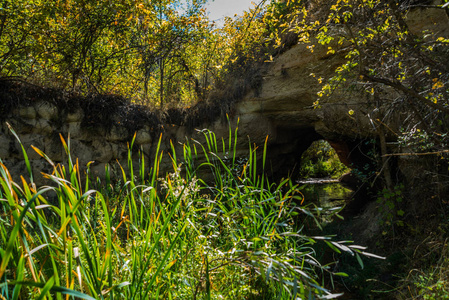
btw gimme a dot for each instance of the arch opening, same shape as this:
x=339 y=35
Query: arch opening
x=322 y=161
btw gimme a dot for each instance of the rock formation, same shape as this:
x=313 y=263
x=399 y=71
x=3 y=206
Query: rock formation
x=282 y=109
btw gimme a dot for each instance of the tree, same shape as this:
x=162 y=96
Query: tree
x=146 y=50
x=163 y=38
x=18 y=20
x=384 y=54
x=80 y=35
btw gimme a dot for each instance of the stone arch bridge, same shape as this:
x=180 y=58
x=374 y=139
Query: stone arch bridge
x=282 y=108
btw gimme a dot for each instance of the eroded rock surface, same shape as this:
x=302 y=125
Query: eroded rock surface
x=283 y=111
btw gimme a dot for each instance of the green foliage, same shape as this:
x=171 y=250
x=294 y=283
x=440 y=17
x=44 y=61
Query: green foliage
x=367 y=172
x=429 y=289
x=124 y=47
x=248 y=42
x=384 y=53
x=431 y=279
x=320 y=160
x=418 y=140
x=390 y=207
x=163 y=52
x=172 y=237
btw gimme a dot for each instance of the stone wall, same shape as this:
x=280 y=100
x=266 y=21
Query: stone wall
x=282 y=109
x=36 y=125
x=42 y=123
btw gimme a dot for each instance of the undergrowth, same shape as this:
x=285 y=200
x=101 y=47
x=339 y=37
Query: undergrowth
x=172 y=237
x=320 y=160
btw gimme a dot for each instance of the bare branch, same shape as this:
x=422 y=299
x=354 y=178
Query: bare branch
x=416 y=154
x=408 y=91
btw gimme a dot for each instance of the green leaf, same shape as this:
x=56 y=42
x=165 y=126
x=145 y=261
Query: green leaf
x=359 y=259
x=20 y=275
x=15 y=231
x=25 y=156
x=341 y=274
x=54 y=288
x=333 y=247
x=47 y=287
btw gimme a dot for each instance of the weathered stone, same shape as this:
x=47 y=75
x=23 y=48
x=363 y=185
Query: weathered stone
x=102 y=151
x=143 y=137
x=76 y=116
x=146 y=148
x=75 y=131
x=117 y=133
x=54 y=148
x=24 y=126
x=18 y=168
x=46 y=110
x=34 y=140
x=40 y=166
x=119 y=150
x=81 y=151
x=43 y=126
x=433 y=20
x=4 y=146
x=98 y=169
x=263 y=129
x=26 y=112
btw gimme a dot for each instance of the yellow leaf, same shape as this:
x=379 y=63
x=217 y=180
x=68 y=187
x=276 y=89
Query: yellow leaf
x=437 y=85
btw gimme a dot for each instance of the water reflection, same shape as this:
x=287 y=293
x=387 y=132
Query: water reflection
x=325 y=193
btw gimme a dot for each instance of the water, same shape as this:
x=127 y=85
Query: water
x=325 y=193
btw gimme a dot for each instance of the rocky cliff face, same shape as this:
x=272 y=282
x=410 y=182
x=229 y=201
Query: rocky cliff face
x=98 y=134
x=285 y=102
x=282 y=110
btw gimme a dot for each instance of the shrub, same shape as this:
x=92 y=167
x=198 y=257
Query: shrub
x=175 y=237
x=320 y=160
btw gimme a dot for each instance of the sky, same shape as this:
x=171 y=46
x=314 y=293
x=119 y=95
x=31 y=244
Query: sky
x=218 y=9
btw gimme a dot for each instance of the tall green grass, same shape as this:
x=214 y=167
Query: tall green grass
x=178 y=236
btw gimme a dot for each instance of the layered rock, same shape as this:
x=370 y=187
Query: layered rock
x=282 y=109
x=290 y=85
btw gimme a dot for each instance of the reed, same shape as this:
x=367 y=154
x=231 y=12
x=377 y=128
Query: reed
x=175 y=237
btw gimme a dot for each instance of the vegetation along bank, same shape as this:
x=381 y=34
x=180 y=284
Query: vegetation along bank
x=147 y=153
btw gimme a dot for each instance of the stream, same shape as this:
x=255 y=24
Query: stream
x=324 y=192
